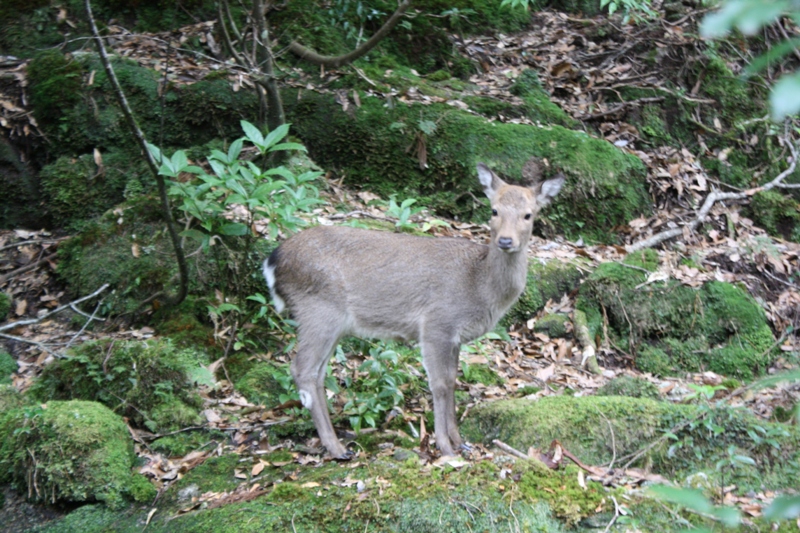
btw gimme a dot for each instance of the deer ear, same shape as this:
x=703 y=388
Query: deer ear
x=547 y=190
x=490 y=181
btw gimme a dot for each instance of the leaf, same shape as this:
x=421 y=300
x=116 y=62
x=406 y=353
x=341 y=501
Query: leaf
x=276 y=135
x=235 y=149
x=253 y=134
x=689 y=498
x=202 y=376
x=234 y=229
x=289 y=146
x=772 y=56
x=783 y=508
x=785 y=97
x=746 y=15
x=427 y=127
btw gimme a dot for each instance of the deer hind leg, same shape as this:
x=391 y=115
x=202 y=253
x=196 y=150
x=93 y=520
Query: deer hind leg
x=440 y=358
x=314 y=349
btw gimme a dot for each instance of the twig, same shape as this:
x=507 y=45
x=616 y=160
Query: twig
x=21 y=270
x=13 y=325
x=622 y=106
x=86 y=324
x=27 y=341
x=711 y=199
x=616 y=515
x=508 y=449
x=34 y=241
x=613 y=440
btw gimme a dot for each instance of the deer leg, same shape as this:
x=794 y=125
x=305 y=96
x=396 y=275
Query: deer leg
x=440 y=358
x=314 y=349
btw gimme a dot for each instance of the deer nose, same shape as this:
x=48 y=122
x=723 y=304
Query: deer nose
x=504 y=243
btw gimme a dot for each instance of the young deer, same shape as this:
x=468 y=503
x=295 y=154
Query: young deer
x=441 y=293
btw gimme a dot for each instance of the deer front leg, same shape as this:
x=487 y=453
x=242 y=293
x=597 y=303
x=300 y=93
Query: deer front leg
x=440 y=358
x=308 y=371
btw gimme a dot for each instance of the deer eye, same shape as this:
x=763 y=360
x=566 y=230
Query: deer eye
x=494 y=212
x=527 y=216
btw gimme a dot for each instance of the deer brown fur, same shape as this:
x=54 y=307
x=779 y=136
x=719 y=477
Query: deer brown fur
x=439 y=292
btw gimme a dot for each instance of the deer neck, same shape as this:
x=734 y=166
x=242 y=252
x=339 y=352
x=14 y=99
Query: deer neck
x=506 y=273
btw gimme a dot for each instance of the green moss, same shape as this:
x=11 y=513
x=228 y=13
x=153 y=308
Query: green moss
x=263 y=383
x=55 y=85
x=180 y=444
x=480 y=373
x=8 y=365
x=215 y=474
x=75 y=451
x=5 y=306
x=147 y=381
x=631 y=387
x=561 y=489
x=10 y=398
x=581 y=425
x=598 y=174
x=547 y=280
x=777 y=213
x=77 y=189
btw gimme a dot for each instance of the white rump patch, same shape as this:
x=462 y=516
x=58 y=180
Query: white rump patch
x=269 y=275
x=305 y=398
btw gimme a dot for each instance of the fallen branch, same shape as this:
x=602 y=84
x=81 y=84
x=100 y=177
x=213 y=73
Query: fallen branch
x=337 y=61
x=28 y=321
x=714 y=197
x=22 y=270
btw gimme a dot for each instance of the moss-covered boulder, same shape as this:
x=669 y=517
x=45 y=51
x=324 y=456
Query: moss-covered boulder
x=264 y=383
x=72 y=451
x=79 y=118
x=78 y=188
x=150 y=382
x=630 y=386
x=553 y=325
x=547 y=280
x=675 y=328
x=584 y=426
x=18 y=183
x=369 y=145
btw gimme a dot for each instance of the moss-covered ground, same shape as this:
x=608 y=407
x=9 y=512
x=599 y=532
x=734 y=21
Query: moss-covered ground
x=600 y=428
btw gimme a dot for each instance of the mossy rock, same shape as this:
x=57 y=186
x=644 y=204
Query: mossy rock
x=584 y=426
x=675 y=328
x=150 y=382
x=79 y=118
x=480 y=373
x=547 y=280
x=74 y=451
x=367 y=145
x=8 y=365
x=263 y=383
x=630 y=386
x=553 y=325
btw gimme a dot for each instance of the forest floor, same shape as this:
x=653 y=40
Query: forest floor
x=558 y=47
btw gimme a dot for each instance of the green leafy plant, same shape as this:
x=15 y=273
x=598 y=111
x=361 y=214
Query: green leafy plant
x=377 y=389
x=635 y=8
x=749 y=16
x=223 y=208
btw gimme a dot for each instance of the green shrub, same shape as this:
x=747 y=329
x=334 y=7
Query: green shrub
x=150 y=382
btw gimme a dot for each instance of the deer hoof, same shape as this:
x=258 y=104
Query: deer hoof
x=343 y=457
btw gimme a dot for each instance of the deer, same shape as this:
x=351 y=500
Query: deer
x=438 y=292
